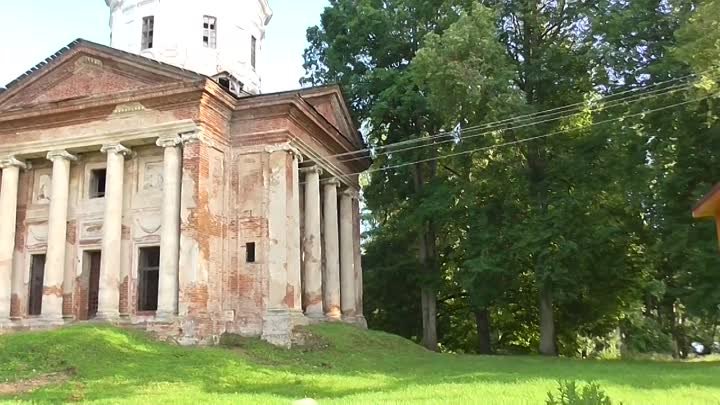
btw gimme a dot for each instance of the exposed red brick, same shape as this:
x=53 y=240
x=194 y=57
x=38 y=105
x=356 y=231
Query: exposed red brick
x=16 y=311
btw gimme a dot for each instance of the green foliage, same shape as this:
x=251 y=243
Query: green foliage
x=570 y=394
x=592 y=220
x=354 y=367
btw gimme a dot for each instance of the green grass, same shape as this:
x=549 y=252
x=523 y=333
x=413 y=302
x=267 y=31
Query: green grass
x=343 y=365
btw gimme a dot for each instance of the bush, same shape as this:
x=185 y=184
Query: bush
x=570 y=394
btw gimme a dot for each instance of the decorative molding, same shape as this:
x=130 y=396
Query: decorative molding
x=12 y=161
x=88 y=60
x=116 y=148
x=35 y=231
x=91 y=230
x=150 y=230
x=128 y=108
x=60 y=154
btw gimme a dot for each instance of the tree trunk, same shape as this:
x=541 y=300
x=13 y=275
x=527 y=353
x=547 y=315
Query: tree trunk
x=547 y=322
x=428 y=261
x=482 y=320
x=429 y=313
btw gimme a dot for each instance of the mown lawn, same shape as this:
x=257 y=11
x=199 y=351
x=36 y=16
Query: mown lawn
x=343 y=365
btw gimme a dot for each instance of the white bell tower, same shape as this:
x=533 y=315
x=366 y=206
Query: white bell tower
x=205 y=36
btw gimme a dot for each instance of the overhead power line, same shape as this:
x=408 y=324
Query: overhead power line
x=534 y=138
x=611 y=99
x=476 y=133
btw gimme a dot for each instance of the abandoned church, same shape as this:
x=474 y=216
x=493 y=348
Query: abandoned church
x=150 y=183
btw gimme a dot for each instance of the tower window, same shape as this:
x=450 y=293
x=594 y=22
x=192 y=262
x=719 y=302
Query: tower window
x=148 y=29
x=209 y=32
x=253 y=50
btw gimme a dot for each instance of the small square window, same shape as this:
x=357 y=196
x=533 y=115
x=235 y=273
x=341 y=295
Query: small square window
x=98 y=179
x=250 y=252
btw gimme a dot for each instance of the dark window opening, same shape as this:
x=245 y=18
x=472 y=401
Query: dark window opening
x=97 y=183
x=148 y=31
x=253 y=51
x=250 y=252
x=37 y=275
x=92 y=266
x=148 y=273
x=209 y=31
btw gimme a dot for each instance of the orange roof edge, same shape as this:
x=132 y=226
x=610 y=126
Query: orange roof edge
x=709 y=205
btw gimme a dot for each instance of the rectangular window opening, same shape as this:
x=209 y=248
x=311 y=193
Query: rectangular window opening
x=148 y=30
x=209 y=32
x=37 y=275
x=148 y=274
x=250 y=252
x=97 y=183
x=253 y=51
x=91 y=264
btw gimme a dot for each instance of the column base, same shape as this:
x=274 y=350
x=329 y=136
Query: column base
x=349 y=318
x=361 y=322
x=107 y=316
x=6 y=323
x=315 y=317
x=165 y=317
x=334 y=315
x=51 y=320
x=278 y=325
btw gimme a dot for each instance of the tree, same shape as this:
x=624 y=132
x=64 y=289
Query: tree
x=366 y=46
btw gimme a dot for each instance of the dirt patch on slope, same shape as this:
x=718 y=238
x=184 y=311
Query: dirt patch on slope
x=30 y=385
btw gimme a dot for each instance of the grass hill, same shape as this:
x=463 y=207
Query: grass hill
x=337 y=365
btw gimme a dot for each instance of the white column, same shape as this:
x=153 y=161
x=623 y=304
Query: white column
x=170 y=230
x=347 y=255
x=8 y=213
x=57 y=228
x=293 y=234
x=331 y=245
x=312 y=289
x=109 y=293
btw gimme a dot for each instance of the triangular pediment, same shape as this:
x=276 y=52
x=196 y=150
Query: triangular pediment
x=329 y=102
x=84 y=70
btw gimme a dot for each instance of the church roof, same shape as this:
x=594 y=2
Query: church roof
x=104 y=48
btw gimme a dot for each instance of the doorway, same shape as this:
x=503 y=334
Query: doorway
x=92 y=266
x=37 y=276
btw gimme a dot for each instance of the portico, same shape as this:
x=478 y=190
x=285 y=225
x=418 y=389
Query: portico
x=173 y=204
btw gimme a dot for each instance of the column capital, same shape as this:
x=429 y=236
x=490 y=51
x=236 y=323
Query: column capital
x=169 y=141
x=332 y=181
x=351 y=192
x=288 y=148
x=312 y=169
x=12 y=161
x=116 y=148
x=196 y=136
x=60 y=154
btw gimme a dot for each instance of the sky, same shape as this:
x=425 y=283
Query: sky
x=45 y=26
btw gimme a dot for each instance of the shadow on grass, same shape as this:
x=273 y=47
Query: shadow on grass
x=114 y=364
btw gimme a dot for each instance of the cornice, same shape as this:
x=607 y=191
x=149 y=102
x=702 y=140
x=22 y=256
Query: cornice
x=149 y=134
x=52 y=108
